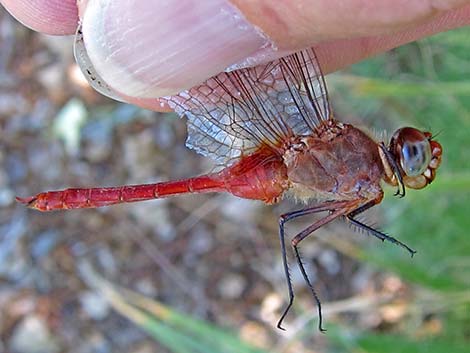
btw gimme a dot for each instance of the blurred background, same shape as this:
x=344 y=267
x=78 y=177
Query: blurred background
x=203 y=273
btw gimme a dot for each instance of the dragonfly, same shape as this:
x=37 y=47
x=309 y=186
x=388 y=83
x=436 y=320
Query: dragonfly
x=271 y=130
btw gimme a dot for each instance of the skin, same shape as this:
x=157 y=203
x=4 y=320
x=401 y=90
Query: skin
x=342 y=31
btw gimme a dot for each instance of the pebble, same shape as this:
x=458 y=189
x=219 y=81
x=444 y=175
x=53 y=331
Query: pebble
x=164 y=135
x=7 y=197
x=43 y=243
x=107 y=260
x=154 y=215
x=231 y=286
x=99 y=144
x=240 y=210
x=330 y=262
x=200 y=240
x=94 y=343
x=146 y=286
x=94 y=305
x=32 y=335
x=12 y=262
x=15 y=167
x=68 y=123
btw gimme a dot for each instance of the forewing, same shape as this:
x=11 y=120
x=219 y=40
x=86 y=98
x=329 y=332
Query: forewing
x=234 y=113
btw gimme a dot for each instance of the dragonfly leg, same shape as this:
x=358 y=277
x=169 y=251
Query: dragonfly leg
x=378 y=234
x=283 y=219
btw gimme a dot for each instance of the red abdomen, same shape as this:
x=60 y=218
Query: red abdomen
x=260 y=176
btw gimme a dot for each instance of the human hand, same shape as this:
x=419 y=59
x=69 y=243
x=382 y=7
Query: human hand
x=154 y=48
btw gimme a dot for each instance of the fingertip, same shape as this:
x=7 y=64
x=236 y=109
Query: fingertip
x=338 y=54
x=148 y=50
x=55 y=17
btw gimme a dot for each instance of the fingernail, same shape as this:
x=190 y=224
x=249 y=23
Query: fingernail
x=156 y=48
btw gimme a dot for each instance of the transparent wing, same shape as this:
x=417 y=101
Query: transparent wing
x=236 y=112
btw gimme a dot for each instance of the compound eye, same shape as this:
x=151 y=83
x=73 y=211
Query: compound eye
x=416 y=156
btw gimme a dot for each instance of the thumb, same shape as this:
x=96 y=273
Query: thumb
x=148 y=49
x=155 y=48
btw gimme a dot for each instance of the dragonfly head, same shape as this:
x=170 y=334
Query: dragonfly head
x=416 y=157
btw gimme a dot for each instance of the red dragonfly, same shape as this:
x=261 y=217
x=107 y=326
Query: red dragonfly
x=272 y=130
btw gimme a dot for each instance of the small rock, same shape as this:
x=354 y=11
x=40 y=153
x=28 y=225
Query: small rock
x=6 y=197
x=255 y=334
x=15 y=167
x=13 y=263
x=139 y=150
x=330 y=262
x=51 y=77
x=97 y=134
x=361 y=279
x=200 y=241
x=68 y=123
x=240 y=210
x=270 y=307
x=43 y=243
x=94 y=305
x=107 y=260
x=144 y=347
x=154 y=215
x=163 y=135
x=94 y=343
x=33 y=336
x=232 y=286
x=146 y=287
x=12 y=103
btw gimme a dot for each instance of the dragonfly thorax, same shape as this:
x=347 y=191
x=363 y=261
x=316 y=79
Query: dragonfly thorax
x=340 y=162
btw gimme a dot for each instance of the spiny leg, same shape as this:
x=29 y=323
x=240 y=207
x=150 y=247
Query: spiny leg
x=382 y=236
x=310 y=286
x=283 y=219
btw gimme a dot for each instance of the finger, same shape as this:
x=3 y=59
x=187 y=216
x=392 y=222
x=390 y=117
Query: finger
x=145 y=53
x=155 y=48
x=338 y=54
x=57 y=17
x=299 y=24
